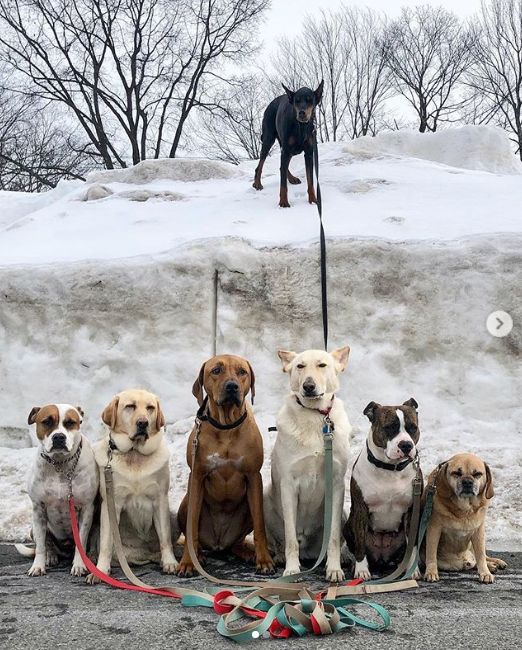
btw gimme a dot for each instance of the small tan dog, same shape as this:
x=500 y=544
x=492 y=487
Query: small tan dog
x=141 y=477
x=456 y=535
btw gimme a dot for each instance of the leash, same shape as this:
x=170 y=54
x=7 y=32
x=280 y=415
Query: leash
x=322 y=246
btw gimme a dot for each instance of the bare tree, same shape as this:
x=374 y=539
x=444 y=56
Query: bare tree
x=366 y=77
x=428 y=49
x=129 y=71
x=496 y=75
x=233 y=131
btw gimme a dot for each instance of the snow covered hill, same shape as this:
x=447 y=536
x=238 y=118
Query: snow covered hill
x=108 y=284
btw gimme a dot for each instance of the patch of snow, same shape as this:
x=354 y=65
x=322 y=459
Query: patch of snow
x=173 y=169
x=485 y=148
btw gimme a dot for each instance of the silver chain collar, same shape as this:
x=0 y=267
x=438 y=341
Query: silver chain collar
x=65 y=468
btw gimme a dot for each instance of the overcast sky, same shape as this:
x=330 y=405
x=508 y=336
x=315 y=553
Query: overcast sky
x=285 y=16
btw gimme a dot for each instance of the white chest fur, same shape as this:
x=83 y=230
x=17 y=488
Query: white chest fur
x=387 y=494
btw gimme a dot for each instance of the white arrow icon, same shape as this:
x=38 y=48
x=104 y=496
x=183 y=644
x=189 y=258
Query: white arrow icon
x=499 y=324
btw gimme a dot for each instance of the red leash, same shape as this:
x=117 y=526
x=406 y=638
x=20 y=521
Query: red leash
x=99 y=574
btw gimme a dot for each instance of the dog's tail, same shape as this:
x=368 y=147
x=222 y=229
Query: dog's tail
x=26 y=551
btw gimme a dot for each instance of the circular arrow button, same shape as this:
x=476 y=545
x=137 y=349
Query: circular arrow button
x=499 y=324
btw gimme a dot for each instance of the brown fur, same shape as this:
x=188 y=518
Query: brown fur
x=226 y=476
x=46 y=419
x=455 y=538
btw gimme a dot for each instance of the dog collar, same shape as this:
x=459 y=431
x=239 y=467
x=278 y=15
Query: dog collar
x=324 y=412
x=389 y=466
x=60 y=464
x=203 y=416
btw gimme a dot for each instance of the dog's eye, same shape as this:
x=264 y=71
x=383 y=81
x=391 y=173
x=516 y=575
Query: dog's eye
x=411 y=428
x=216 y=370
x=242 y=372
x=477 y=474
x=150 y=409
x=131 y=407
x=48 y=422
x=322 y=365
x=68 y=424
x=300 y=366
x=457 y=474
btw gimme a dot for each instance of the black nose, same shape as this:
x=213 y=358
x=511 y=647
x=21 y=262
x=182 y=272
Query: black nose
x=142 y=424
x=231 y=387
x=467 y=483
x=309 y=386
x=405 y=446
x=302 y=114
x=59 y=440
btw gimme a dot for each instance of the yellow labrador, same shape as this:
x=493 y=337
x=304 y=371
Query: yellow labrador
x=456 y=535
x=140 y=466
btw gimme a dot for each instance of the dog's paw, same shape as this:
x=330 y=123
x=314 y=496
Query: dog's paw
x=283 y=203
x=291 y=569
x=91 y=579
x=486 y=577
x=334 y=575
x=185 y=569
x=257 y=185
x=170 y=567
x=312 y=198
x=431 y=575
x=37 y=570
x=416 y=575
x=78 y=570
x=265 y=565
x=293 y=180
x=362 y=574
x=495 y=563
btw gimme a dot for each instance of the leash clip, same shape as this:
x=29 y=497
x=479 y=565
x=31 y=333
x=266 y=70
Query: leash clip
x=109 y=455
x=328 y=428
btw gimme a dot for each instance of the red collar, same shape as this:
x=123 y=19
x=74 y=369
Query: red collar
x=324 y=412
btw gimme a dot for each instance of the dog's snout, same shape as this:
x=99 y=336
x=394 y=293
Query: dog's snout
x=309 y=386
x=142 y=424
x=231 y=387
x=405 y=446
x=302 y=114
x=59 y=441
x=467 y=483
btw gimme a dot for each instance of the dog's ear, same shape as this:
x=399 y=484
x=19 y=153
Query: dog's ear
x=110 y=412
x=286 y=359
x=80 y=410
x=197 y=387
x=160 y=418
x=369 y=411
x=318 y=93
x=289 y=93
x=411 y=402
x=32 y=415
x=252 y=384
x=341 y=358
x=444 y=489
x=489 y=492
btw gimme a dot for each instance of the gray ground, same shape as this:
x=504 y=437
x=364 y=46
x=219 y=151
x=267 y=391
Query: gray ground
x=58 y=611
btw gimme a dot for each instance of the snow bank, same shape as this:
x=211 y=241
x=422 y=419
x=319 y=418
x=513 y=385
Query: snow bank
x=414 y=315
x=483 y=148
x=177 y=169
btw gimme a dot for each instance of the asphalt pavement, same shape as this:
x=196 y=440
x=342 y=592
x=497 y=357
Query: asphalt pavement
x=59 y=611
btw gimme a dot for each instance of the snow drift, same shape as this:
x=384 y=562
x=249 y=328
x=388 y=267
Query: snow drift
x=485 y=148
x=114 y=292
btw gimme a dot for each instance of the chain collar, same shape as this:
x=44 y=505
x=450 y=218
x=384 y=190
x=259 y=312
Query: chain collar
x=65 y=467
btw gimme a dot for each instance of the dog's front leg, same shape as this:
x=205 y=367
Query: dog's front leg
x=84 y=523
x=309 y=166
x=40 y=536
x=264 y=562
x=283 y=183
x=289 y=506
x=478 y=541
x=106 y=542
x=195 y=496
x=161 y=517
x=433 y=534
x=334 y=573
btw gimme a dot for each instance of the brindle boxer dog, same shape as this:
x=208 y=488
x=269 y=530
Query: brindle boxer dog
x=225 y=478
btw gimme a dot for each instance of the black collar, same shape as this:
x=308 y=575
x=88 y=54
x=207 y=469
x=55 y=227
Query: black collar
x=390 y=466
x=203 y=416
x=325 y=411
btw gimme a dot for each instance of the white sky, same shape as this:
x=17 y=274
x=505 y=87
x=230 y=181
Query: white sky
x=285 y=16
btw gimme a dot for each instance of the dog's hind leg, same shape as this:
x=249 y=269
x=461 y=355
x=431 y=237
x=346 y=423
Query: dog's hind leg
x=283 y=187
x=267 y=143
x=293 y=180
x=309 y=164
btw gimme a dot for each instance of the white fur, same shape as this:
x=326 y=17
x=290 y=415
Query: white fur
x=141 y=483
x=49 y=491
x=294 y=502
x=392 y=446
